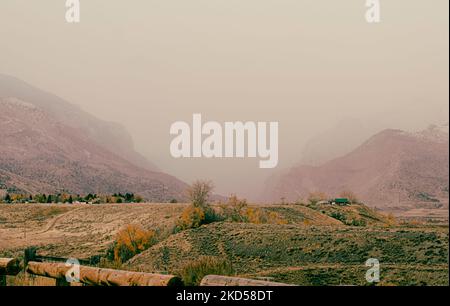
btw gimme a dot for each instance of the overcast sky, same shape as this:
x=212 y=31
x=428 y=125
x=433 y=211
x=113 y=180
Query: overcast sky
x=308 y=64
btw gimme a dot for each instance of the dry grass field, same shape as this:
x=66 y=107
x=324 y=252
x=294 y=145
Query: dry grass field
x=78 y=231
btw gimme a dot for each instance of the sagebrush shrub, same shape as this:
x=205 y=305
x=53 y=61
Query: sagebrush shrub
x=193 y=271
x=237 y=210
x=233 y=210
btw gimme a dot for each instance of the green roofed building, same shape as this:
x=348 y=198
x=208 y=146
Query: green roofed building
x=340 y=201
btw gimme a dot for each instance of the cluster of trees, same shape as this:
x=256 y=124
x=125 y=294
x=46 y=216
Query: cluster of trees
x=70 y=198
x=235 y=210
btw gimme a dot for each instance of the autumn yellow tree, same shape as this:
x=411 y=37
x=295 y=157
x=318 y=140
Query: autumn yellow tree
x=192 y=217
x=132 y=240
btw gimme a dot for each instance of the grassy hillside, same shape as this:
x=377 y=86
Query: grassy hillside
x=306 y=255
x=354 y=214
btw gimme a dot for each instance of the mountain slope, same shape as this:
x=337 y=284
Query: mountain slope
x=344 y=137
x=111 y=136
x=39 y=153
x=391 y=169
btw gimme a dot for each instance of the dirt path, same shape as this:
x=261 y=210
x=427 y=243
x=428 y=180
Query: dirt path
x=53 y=222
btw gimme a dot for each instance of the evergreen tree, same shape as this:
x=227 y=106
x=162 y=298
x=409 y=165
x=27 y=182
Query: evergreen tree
x=129 y=197
x=43 y=198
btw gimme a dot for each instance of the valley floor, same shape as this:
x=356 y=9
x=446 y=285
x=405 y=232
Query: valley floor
x=317 y=246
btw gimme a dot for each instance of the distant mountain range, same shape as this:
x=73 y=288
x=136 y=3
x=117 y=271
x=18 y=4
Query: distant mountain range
x=110 y=135
x=393 y=169
x=48 y=145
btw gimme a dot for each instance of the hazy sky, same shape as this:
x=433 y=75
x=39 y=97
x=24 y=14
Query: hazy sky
x=306 y=63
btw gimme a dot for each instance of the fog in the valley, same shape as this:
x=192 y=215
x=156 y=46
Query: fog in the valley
x=317 y=67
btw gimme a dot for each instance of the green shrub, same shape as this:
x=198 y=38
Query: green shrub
x=193 y=271
x=359 y=222
x=339 y=216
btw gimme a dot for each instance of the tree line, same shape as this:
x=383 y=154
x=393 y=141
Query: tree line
x=66 y=198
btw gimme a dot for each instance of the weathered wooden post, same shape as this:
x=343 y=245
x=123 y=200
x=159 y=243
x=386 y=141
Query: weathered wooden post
x=8 y=266
x=30 y=255
x=61 y=282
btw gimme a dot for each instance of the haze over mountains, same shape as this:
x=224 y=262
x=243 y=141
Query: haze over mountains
x=392 y=169
x=48 y=145
x=337 y=141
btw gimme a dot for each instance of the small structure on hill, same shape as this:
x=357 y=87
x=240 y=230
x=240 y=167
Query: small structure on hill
x=340 y=201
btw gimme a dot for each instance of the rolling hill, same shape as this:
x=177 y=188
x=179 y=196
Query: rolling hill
x=305 y=255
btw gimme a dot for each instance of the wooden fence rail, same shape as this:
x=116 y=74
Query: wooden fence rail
x=103 y=277
x=94 y=276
